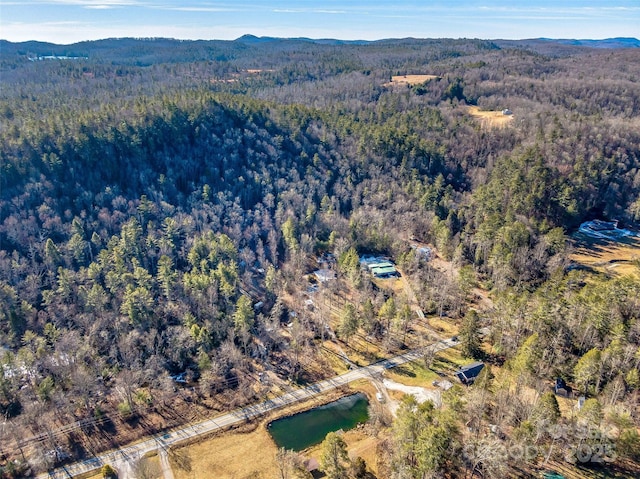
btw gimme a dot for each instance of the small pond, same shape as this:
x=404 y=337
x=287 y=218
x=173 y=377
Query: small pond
x=308 y=428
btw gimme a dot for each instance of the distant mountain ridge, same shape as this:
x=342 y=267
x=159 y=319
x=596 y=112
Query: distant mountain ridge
x=44 y=47
x=617 y=42
x=252 y=39
x=148 y=51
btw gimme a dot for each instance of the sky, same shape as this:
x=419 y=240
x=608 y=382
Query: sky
x=69 y=21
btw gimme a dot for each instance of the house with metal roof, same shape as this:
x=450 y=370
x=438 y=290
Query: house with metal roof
x=468 y=374
x=379 y=266
x=385 y=272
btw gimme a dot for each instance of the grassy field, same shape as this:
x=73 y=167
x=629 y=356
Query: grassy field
x=247 y=452
x=412 y=79
x=490 y=119
x=92 y=475
x=412 y=374
x=416 y=374
x=615 y=258
x=230 y=455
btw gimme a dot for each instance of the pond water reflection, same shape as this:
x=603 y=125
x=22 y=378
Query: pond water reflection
x=308 y=428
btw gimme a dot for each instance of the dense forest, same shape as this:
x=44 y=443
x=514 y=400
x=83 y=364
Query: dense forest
x=162 y=203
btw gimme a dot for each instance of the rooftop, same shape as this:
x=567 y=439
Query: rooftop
x=324 y=275
x=468 y=373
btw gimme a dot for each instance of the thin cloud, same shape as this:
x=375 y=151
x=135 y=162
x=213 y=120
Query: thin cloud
x=197 y=9
x=568 y=10
x=310 y=10
x=345 y=19
x=89 y=3
x=45 y=25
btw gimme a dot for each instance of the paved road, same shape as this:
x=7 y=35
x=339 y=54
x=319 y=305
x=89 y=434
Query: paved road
x=124 y=459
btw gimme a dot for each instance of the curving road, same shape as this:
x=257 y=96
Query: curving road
x=124 y=459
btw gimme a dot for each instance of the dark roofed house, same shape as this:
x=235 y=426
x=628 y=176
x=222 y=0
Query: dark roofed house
x=467 y=374
x=313 y=467
x=561 y=388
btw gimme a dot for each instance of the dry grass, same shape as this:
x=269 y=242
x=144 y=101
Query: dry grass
x=415 y=373
x=397 y=285
x=567 y=406
x=610 y=257
x=247 y=452
x=411 y=374
x=331 y=355
x=230 y=455
x=359 y=443
x=411 y=79
x=91 y=475
x=490 y=119
x=363 y=445
x=443 y=327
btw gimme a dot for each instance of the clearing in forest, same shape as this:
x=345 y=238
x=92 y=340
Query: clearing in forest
x=249 y=450
x=229 y=455
x=490 y=119
x=615 y=251
x=411 y=79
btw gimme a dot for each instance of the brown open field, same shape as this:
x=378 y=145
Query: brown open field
x=616 y=258
x=247 y=452
x=229 y=455
x=490 y=119
x=92 y=475
x=411 y=79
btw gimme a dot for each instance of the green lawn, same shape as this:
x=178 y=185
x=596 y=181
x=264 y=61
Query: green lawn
x=416 y=374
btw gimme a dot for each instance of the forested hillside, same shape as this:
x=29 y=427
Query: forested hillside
x=153 y=191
